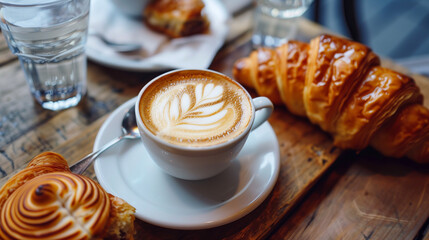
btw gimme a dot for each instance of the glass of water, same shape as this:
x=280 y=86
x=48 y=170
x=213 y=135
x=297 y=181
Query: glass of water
x=275 y=21
x=49 y=37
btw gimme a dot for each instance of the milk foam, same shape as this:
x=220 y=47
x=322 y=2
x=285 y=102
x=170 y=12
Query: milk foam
x=195 y=111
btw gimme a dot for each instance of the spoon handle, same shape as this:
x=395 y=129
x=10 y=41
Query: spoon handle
x=84 y=163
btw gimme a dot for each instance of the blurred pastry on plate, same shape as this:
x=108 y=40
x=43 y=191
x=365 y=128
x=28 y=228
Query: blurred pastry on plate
x=176 y=18
x=47 y=201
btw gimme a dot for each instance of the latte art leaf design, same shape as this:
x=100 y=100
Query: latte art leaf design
x=195 y=108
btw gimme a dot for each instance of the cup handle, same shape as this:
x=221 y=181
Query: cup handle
x=263 y=109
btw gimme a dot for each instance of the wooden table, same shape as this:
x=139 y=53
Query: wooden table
x=322 y=192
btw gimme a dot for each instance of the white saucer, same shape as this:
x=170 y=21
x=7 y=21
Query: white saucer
x=127 y=171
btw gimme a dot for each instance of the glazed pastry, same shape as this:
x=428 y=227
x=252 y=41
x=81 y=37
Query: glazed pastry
x=47 y=201
x=277 y=73
x=340 y=86
x=176 y=18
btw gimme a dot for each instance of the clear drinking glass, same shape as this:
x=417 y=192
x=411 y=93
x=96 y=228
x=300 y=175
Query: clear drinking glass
x=49 y=37
x=275 y=21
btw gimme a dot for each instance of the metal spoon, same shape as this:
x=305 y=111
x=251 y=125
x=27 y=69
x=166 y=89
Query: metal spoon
x=129 y=131
x=118 y=47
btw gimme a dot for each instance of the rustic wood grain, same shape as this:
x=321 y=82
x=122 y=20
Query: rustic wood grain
x=365 y=197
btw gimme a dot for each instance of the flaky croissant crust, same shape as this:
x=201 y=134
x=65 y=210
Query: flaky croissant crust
x=340 y=86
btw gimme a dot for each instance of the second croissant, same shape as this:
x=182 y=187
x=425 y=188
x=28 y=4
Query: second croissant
x=339 y=85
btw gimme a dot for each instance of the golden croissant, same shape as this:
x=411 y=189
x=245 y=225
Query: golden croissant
x=47 y=201
x=339 y=85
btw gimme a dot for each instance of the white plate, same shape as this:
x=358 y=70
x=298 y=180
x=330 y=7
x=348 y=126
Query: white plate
x=160 y=53
x=127 y=171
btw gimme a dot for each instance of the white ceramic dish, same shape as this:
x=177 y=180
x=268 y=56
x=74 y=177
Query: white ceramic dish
x=127 y=171
x=163 y=54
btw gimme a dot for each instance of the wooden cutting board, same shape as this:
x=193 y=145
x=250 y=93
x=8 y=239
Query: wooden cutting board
x=306 y=152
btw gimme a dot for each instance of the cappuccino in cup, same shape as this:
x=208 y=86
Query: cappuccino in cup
x=193 y=123
x=195 y=109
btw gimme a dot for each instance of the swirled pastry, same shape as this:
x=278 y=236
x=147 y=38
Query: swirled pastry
x=339 y=85
x=47 y=201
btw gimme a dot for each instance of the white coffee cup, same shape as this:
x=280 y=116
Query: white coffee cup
x=197 y=155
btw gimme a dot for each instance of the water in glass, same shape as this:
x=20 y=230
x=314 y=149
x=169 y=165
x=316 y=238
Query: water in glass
x=49 y=41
